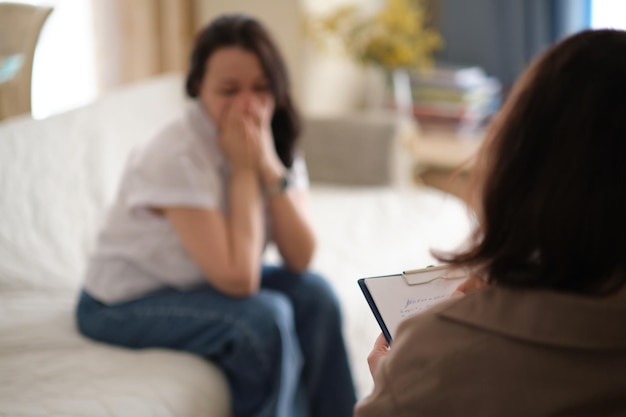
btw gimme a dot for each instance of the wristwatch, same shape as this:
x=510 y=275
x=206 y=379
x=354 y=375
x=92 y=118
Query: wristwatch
x=278 y=187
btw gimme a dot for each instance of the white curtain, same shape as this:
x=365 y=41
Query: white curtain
x=138 y=39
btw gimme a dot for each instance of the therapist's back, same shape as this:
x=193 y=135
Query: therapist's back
x=547 y=336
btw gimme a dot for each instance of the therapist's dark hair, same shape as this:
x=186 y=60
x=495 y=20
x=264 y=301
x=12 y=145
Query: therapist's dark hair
x=245 y=32
x=551 y=175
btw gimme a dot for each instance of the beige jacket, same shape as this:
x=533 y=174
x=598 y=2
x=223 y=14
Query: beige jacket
x=506 y=353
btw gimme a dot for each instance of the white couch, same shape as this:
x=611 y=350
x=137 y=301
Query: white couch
x=57 y=177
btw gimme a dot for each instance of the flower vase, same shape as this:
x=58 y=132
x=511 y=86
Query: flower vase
x=402 y=95
x=376 y=91
x=400 y=82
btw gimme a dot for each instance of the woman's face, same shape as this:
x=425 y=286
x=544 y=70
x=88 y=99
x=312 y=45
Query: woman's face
x=233 y=74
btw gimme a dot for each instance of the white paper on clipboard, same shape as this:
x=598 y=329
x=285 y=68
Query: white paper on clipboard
x=400 y=296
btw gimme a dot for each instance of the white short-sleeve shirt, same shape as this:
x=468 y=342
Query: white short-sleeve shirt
x=137 y=250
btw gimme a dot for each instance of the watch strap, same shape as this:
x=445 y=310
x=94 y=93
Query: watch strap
x=278 y=187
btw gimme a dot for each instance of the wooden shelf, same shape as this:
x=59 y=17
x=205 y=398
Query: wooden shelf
x=443 y=149
x=444 y=158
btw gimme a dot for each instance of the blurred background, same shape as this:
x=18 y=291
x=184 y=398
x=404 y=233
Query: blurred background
x=89 y=47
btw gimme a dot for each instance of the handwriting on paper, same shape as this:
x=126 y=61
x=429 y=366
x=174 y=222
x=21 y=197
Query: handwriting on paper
x=416 y=305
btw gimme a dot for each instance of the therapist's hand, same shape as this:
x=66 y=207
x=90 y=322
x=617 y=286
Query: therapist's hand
x=380 y=350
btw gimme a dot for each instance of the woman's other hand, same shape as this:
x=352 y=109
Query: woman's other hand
x=270 y=166
x=379 y=351
x=239 y=138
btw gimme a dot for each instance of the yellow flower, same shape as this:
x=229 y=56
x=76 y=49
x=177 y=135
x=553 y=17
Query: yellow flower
x=396 y=36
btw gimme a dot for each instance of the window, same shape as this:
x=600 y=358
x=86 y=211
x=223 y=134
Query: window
x=608 y=14
x=64 y=70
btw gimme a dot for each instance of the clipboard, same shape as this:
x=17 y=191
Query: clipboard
x=393 y=298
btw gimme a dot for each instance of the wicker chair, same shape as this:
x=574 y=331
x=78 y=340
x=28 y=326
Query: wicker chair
x=20 y=26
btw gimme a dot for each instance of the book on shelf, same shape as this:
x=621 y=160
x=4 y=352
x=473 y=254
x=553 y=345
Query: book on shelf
x=460 y=97
x=451 y=75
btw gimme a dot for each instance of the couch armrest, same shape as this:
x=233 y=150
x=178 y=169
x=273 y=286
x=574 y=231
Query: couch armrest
x=359 y=149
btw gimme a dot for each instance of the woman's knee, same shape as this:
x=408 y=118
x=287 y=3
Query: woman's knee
x=277 y=306
x=301 y=285
x=317 y=294
x=269 y=314
x=317 y=285
x=266 y=322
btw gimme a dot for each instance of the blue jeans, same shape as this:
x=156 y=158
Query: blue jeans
x=282 y=349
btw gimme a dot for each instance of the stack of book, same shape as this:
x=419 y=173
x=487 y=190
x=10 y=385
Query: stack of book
x=462 y=98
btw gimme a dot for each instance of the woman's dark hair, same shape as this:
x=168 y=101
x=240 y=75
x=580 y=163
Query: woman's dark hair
x=551 y=174
x=245 y=32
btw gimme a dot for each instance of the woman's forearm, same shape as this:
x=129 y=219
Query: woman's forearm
x=291 y=228
x=245 y=228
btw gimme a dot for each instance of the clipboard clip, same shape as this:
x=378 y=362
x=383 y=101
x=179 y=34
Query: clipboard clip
x=433 y=273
